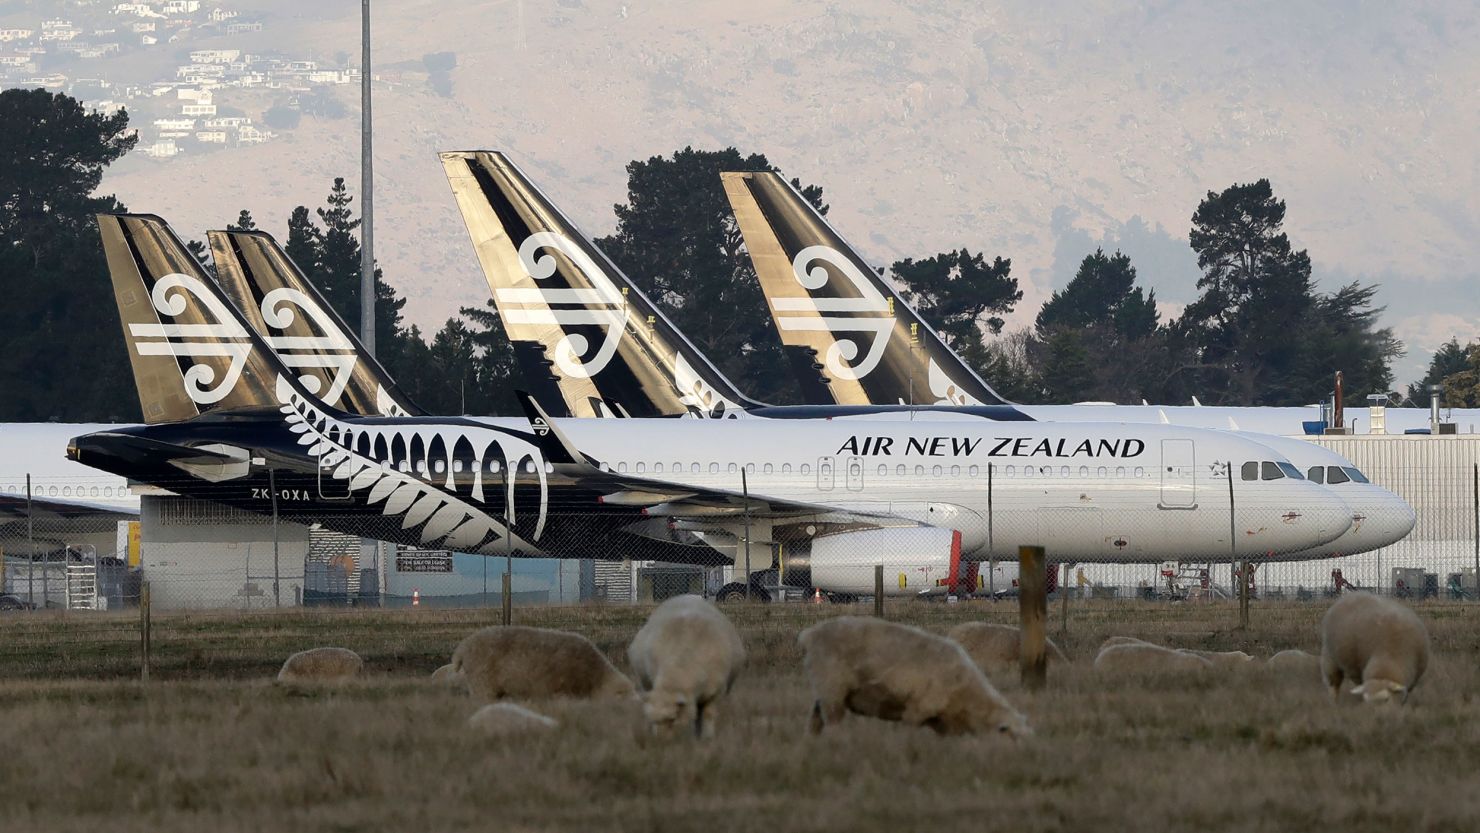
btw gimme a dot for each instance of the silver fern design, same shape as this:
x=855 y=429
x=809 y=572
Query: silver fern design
x=702 y=400
x=438 y=479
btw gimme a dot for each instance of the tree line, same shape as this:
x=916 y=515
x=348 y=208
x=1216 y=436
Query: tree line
x=1259 y=332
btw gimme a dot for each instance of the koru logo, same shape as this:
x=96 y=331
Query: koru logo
x=222 y=338
x=599 y=305
x=868 y=314
x=541 y=428
x=330 y=350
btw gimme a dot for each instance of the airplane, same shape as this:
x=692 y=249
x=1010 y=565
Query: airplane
x=305 y=332
x=825 y=298
x=500 y=206
x=70 y=506
x=227 y=421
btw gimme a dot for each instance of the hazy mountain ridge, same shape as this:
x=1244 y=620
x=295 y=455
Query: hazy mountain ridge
x=1030 y=133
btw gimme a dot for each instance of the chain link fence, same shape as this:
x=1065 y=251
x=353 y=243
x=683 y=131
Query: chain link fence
x=1245 y=543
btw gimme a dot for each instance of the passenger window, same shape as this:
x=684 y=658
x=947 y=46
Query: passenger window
x=786 y=468
x=883 y=469
x=439 y=467
x=919 y=471
x=1140 y=472
x=1120 y=471
x=805 y=468
x=1063 y=471
x=1316 y=474
x=974 y=471
x=714 y=468
x=955 y=471
x=1101 y=471
x=1084 y=471
x=1250 y=471
x=734 y=468
x=1270 y=471
x=900 y=470
x=622 y=467
x=1336 y=475
x=457 y=466
x=694 y=468
x=1027 y=470
x=935 y=471
x=641 y=468
x=769 y=469
x=657 y=468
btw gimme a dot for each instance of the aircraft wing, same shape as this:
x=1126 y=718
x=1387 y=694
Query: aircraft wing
x=13 y=507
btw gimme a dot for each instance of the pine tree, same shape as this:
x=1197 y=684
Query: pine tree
x=244 y=222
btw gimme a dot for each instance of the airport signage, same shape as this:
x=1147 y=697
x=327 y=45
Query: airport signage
x=424 y=562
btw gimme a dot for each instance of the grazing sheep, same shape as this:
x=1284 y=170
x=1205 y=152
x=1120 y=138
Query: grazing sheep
x=1377 y=643
x=447 y=675
x=523 y=663
x=509 y=719
x=1147 y=657
x=995 y=647
x=321 y=665
x=1222 y=659
x=1123 y=640
x=685 y=659
x=1296 y=661
x=895 y=672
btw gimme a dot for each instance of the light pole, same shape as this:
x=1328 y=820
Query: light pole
x=367 y=187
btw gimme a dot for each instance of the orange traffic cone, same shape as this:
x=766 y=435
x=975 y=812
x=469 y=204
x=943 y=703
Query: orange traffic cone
x=415 y=596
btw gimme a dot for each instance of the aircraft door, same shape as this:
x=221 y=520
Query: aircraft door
x=854 y=474
x=330 y=487
x=1178 y=475
x=826 y=477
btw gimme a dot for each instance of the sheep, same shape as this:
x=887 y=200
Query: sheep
x=321 y=665
x=1377 y=643
x=994 y=647
x=895 y=672
x=499 y=719
x=685 y=659
x=1123 y=640
x=1296 y=661
x=1147 y=657
x=520 y=662
x=447 y=675
x=1221 y=659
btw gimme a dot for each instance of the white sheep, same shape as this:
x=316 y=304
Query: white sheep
x=685 y=659
x=321 y=665
x=996 y=647
x=521 y=663
x=1145 y=657
x=1296 y=661
x=499 y=719
x=1377 y=643
x=895 y=672
x=1222 y=659
x=1112 y=641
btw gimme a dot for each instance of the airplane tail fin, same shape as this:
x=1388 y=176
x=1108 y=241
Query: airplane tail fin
x=577 y=323
x=191 y=351
x=309 y=337
x=825 y=298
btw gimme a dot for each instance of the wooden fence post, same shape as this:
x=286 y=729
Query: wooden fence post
x=508 y=597
x=879 y=590
x=1032 y=611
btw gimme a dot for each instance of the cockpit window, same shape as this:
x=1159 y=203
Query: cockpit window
x=1317 y=474
x=1250 y=471
x=1354 y=474
x=1335 y=475
x=1270 y=471
x=1290 y=471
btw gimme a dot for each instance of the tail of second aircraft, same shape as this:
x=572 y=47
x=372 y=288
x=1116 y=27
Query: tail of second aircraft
x=577 y=323
x=284 y=308
x=874 y=348
x=191 y=351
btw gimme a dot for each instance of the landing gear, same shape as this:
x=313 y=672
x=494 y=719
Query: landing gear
x=735 y=592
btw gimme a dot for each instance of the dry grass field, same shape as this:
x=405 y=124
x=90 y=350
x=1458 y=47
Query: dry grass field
x=211 y=744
